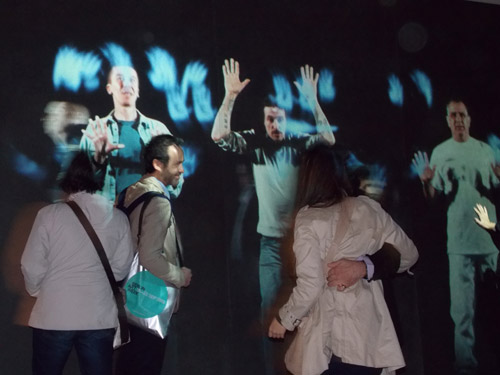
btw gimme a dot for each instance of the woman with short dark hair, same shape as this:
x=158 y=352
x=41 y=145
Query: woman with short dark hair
x=74 y=302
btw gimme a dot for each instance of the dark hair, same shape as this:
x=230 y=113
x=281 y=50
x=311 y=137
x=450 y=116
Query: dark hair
x=80 y=176
x=157 y=149
x=323 y=178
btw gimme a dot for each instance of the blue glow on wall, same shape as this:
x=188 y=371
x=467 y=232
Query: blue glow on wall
x=377 y=172
x=395 y=90
x=326 y=87
x=74 y=69
x=298 y=127
x=163 y=76
x=202 y=104
x=414 y=171
x=494 y=142
x=283 y=96
x=191 y=159
x=116 y=55
x=352 y=162
x=423 y=84
x=27 y=167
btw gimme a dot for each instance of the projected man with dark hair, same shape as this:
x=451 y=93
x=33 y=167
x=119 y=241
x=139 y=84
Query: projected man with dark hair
x=115 y=142
x=463 y=169
x=274 y=156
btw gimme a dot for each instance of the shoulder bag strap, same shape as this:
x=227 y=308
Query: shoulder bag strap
x=122 y=317
x=171 y=219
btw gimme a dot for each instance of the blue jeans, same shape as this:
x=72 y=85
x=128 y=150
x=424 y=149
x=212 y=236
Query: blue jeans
x=270 y=279
x=270 y=266
x=94 y=349
x=464 y=271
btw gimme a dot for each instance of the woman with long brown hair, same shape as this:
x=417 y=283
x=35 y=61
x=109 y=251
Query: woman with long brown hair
x=356 y=334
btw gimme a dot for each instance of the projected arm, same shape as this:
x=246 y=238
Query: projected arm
x=97 y=133
x=309 y=89
x=425 y=172
x=233 y=86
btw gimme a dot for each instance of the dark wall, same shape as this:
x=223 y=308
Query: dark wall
x=454 y=43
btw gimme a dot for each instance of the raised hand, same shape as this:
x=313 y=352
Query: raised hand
x=100 y=138
x=482 y=217
x=308 y=87
x=232 y=83
x=421 y=164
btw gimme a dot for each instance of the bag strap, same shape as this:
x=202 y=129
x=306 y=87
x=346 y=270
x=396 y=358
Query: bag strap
x=146 y=198
x=120 y=204
x=122 y=317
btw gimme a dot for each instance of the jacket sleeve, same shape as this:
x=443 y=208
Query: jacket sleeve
x=156 y=227
x=34 y=261
x=392 y=233
x=310 y=274
x=386 y=262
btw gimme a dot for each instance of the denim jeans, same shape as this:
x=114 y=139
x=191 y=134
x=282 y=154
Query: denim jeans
x=270 y=279
x=270 y=268
x=464 y=271
x=94 y=349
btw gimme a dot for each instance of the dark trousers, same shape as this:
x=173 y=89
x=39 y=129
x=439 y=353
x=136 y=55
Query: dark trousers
x=94 y=348
x=339 y=368
x=143 y=355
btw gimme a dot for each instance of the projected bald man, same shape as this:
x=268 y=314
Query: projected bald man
x=463 y=169
x=115 y=142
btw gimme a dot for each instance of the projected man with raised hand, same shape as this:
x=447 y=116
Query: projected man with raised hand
x=463 y=169
x=274 y=156
x=115 y=142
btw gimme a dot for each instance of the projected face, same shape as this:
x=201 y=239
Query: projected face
x=170 y=173
x=123 y=85
x=58 y=118
x=275 y=123
x=458 y=120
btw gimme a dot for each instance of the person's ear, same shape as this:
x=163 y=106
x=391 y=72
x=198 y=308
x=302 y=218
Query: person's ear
x=108 y=89
x=157 y=165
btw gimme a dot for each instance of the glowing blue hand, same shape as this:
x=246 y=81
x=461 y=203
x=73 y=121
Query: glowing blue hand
x=283 y=98
x=423 y=84
x=395 y=90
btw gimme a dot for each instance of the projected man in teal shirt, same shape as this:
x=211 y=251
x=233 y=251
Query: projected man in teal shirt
x=115 y=142
x=464 y=170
